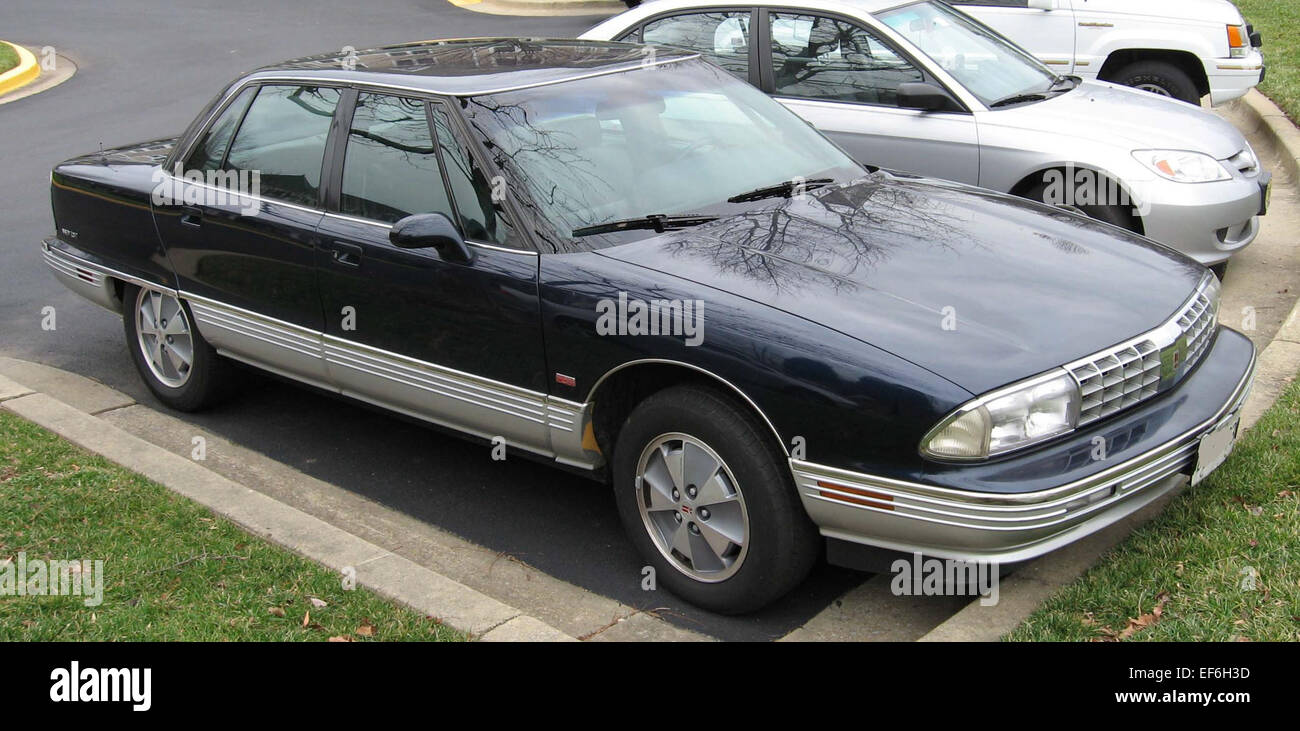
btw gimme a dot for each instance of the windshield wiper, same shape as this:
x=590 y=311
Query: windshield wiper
x=657 y=221
x=785 y=190
x=1018 y=99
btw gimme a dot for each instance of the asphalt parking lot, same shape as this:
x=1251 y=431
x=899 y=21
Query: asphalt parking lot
x=143 y=71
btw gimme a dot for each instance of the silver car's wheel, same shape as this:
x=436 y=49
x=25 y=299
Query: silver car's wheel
x=692 y=507
x=164 y=337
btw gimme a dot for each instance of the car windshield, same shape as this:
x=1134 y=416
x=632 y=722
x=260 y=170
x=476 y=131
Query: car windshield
x=673 y=139
x=988 y=65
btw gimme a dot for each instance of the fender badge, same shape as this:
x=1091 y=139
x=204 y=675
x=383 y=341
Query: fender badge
x=564 y=380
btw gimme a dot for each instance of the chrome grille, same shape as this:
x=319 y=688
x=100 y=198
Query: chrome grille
x=1132 y=372
x=1197 y=323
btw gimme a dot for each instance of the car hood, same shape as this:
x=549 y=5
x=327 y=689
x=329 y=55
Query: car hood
x=978 y=287
x=1119 y=116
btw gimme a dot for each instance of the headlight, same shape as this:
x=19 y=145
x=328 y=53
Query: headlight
x=1182 y=166
x=1007 y=419
x=1238 y=41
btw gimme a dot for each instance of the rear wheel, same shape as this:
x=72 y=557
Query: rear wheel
x=709 y=502
x=176 y=363
x=1159 y=77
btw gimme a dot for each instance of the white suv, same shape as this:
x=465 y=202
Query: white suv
x=1179 y=48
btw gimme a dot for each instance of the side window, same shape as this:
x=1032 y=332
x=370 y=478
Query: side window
x=817 y=57
x=722 y=37
x=211 y=148
x=390 y=168
x=282 y=141
x=479 y=201
x=992 y=3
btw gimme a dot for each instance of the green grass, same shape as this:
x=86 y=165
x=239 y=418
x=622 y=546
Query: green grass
x=172 y=569
x=1278 y=21
x=8 y=57
x=1200 y=552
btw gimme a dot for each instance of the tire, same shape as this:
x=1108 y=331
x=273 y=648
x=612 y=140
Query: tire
x=759 y=505
x=203 y=382
x=1115 y=215
x=1159 y=77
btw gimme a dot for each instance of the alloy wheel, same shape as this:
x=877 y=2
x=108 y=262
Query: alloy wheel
x=166 y=341
x=692 y=507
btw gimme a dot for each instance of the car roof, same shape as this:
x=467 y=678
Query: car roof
x=869 y=6
x=469 y=66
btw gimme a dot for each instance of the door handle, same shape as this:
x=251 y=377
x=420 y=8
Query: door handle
x=191 y=216
x=347 y=254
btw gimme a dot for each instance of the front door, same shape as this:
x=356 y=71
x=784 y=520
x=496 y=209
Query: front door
x=1048 y=34
x=456 y=343
x=844 y=79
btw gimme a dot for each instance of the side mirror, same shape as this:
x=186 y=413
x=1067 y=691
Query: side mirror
x=1042 y=4
x=926 y=97
x=424 y=230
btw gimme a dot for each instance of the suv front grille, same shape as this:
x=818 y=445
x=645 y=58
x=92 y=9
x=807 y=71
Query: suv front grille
x=1129 y=373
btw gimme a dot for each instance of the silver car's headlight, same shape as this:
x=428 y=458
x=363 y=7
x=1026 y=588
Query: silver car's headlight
x=1182 y=166
x=1007 y=419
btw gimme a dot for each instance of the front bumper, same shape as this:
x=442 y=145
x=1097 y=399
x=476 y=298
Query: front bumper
x=1009 y=527
x=1232 y=78
x=1206 y=221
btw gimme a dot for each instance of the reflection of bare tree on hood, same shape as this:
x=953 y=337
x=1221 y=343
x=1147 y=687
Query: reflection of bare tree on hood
x=825 y=237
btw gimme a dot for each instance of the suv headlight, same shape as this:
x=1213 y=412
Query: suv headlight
x=1182 y=166
x=1010 y=418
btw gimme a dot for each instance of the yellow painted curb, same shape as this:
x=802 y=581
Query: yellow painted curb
x=24 y=73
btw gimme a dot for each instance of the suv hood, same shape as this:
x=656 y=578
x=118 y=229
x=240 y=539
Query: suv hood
x=980 y=288
x=1120 y=116
x=1210 y=11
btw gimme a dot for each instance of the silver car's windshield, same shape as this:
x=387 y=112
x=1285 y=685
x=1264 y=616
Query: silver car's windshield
x=983 y=61
x=673 y=139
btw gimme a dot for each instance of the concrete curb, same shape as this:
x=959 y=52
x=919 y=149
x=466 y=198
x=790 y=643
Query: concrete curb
x=380 y=570
x=24 y=73
x=542 y=7
x=1023 y=592
x=1273 y=123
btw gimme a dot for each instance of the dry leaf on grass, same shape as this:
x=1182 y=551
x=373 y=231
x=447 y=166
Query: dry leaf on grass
x=276 y=611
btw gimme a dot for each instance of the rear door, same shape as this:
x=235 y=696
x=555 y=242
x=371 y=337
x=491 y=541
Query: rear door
x=240 y=230
x=842 y=77
x=455 y=343
x=1048 y=34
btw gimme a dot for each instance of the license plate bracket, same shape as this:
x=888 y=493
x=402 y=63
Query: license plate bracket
x=1214 y=448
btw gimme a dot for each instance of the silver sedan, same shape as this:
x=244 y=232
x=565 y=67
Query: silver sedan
x=922 y=88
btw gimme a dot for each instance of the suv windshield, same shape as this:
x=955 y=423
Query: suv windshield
x=676 y=139
x=988 y=65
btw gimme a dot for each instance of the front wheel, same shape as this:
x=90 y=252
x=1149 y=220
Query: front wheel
x=710 y=503
x=173 y=359
x=1113 y=213
x=1161 y=78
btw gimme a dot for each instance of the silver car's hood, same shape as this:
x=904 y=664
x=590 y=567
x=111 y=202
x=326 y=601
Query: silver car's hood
x=1120 y=116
